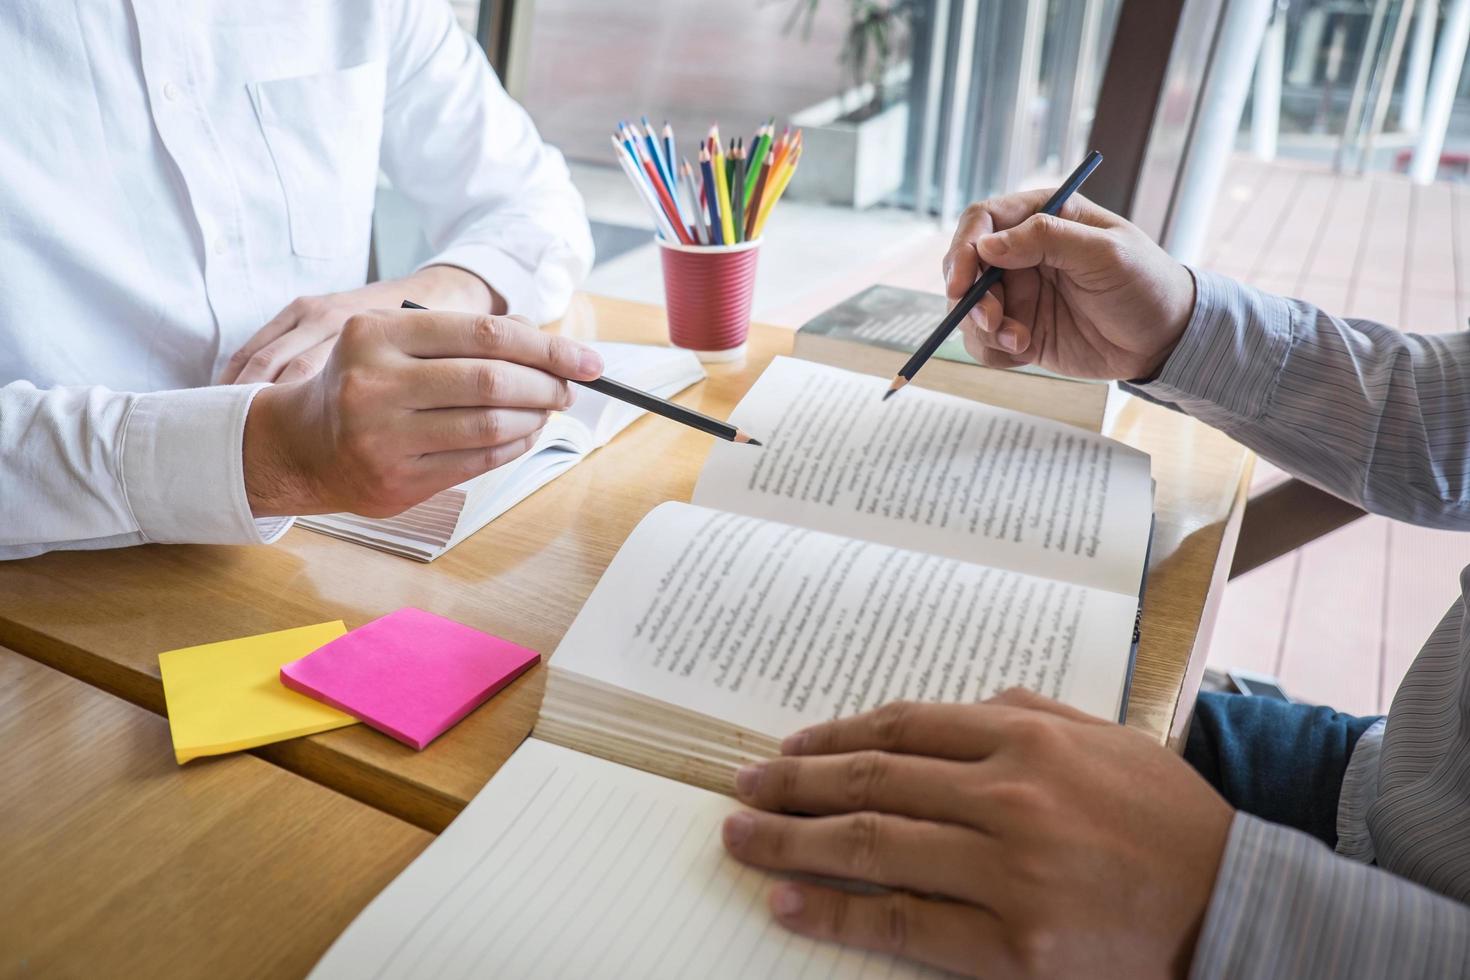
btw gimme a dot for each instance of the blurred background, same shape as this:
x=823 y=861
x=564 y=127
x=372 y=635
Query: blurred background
x=1316 y=148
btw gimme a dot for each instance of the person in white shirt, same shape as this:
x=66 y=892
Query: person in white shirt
x=187 y=200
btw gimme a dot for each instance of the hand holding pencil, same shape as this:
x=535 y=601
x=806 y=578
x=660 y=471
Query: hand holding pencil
x=1087 y=294
x=980 y=287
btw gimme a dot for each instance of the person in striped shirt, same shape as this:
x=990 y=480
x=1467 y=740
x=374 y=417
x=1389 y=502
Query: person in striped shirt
x=1019 y=837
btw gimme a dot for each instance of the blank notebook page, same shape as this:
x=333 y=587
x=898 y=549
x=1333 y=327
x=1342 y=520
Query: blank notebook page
x=566 y=865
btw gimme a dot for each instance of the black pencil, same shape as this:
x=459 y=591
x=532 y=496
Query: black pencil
x=982 y=285
x=654 y=404
x=737 y=193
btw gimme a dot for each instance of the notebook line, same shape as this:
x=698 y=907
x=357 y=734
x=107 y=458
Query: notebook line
x=439 y=903
x=572 y=911
x=523 y=910
x=631 y=905
x=452 y=922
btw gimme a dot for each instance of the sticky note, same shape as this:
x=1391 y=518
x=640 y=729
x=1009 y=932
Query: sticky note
x=410 y=674
x=224 y=697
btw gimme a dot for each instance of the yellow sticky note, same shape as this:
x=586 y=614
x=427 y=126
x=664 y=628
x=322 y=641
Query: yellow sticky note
x=224 y=697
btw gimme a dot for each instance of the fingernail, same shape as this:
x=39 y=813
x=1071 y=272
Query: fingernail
x=1009 y=340
x=748 y=778
x=978 y=315
x=948 y=269
x=590 y=362
x=738 y=827
x=996 y=244
x=786 y=901
x=793 y=744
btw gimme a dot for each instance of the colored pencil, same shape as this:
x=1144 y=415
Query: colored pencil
x=755 y=200
x=667 y=202
x=645 y=192
x=722 y=188
x=988 y=279
x=757 y=158
x=712 y=198
x=777 y=188
x=737 y=195
x=653 y=403
x=655 y=155
x=687 y=185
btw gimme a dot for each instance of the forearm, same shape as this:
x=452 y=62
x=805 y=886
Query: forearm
x=447 y=287
x=1286 y=906
x=1372 y=415
x=91 y=468
x=495 y=199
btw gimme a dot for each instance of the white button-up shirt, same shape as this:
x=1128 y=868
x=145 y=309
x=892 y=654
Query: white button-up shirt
x=171 y=176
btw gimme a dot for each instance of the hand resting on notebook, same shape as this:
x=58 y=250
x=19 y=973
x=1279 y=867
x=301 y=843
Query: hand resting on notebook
x=409 y=403
x=1044 y=841
x=1086 y=294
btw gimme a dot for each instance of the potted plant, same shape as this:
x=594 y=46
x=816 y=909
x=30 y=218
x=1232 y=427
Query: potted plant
x=854 y=141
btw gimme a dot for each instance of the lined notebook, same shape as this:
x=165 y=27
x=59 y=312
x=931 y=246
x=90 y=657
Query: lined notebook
x=569 y=866
x=426 y=531
x=925 y=548
x=877 y=329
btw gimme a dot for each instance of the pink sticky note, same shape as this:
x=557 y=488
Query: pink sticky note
x=410 y=674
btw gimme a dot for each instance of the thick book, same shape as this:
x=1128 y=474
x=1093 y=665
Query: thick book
x=875 y=331
x=427 y=530
x=928 y=548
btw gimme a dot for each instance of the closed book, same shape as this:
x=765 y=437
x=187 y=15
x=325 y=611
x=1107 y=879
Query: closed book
x=875 y=331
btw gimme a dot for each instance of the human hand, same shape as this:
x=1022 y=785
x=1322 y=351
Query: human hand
x=1085 y=294
x=1021 y=838
x=295 y=344
x=410 y=402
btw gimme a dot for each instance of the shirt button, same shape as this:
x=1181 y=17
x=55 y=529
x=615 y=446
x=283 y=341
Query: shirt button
x=221 y=245
x=171 y=91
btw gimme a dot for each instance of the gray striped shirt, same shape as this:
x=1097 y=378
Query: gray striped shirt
x=1382 y=419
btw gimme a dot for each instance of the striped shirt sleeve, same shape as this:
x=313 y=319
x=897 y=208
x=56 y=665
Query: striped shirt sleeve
x=1286 y=906
x=1372 y=415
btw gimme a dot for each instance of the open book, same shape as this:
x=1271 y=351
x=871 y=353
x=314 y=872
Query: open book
x=426 y=531
x=928 y=547
x=924 y=548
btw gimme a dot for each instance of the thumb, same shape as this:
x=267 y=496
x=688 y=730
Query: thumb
x=1049 y=241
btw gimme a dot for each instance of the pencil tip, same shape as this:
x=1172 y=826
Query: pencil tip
x=898 y=382
x=754 y=442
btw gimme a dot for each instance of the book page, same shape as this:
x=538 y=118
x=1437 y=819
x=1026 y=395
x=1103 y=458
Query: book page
x=772 y=627
x=568 y=866
x=935 y=473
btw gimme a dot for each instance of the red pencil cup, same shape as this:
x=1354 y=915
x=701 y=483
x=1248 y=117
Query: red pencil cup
x=708 y=291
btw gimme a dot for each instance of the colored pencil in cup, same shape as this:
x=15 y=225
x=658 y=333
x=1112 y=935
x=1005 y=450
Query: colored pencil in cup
x=640 y=183
x=757 y=159
x=737 y=195
x=757 y=198
x=712 y=197
x=722 y=188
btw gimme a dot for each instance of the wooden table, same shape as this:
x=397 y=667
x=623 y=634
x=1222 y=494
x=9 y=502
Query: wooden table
x=227 y=868
x=105 y=616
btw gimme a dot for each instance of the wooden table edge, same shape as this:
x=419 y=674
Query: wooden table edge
x=1194 y=670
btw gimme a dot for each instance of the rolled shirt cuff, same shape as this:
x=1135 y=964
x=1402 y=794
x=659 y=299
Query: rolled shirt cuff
x=539 y=292
x=183 y=467
x=1227 y=362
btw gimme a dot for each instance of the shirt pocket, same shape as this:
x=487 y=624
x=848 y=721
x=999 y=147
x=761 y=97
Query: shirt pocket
x=323 y=133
